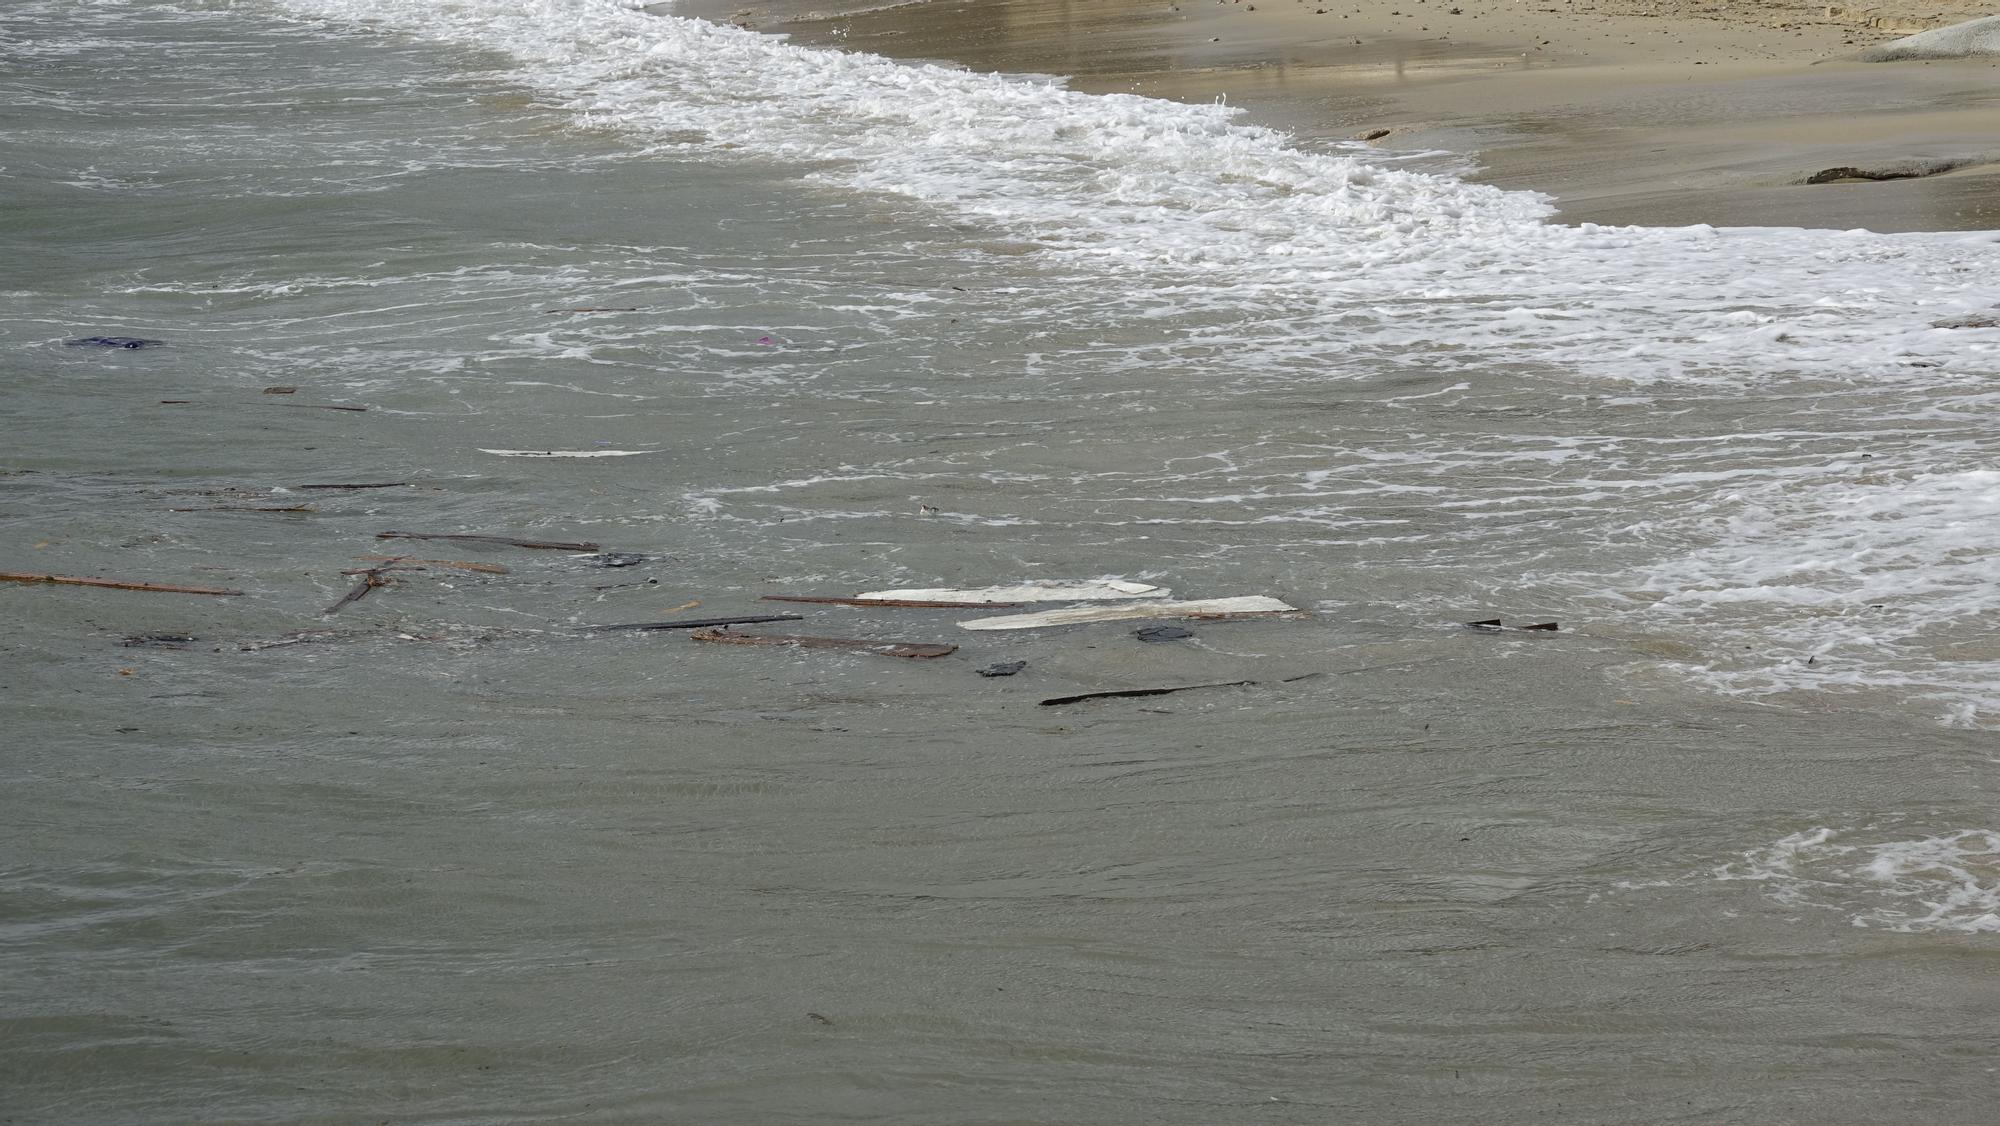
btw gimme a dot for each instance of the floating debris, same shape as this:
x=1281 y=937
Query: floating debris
x=112 y=584
x=367 y=485
x=1002 y=668
x=114 y=342
x=1162 y=633
x=1059 y=701
x=614 y=559
x=1093 y=590
x=461 y=564
x=1495 y=625
x=159 y=641
x=894 y=603
x=503 y=541
x=1212 y=609
x=704 y=623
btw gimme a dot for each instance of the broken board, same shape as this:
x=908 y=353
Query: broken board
x=1246 y=606
x=1090 y=590
x=854 y=645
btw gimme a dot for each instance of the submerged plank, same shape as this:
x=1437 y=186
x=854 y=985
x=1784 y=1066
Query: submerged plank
x=1246 y=606
x=855 y=645
x=704 y=623
x=112 y=584
x=1059 y=701
x=504 y=541
x=1089 y=590
x=894 y=603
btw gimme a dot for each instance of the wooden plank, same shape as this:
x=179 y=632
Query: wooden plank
x=704 y=623
x=1089 y=590
x=504 y=541
x=112 y=584
x=1210 y=609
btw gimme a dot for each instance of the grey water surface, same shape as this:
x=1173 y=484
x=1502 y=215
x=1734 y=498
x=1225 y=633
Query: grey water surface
x=447 y=857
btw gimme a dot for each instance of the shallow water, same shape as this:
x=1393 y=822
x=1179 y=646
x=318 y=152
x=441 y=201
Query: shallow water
x=1719 y=849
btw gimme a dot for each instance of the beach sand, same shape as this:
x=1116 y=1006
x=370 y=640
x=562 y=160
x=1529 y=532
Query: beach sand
x=1626 y=111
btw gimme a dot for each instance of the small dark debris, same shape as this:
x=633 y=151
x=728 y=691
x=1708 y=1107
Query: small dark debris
x=1374 y=134
x=1976 y=320
x=158 y=641
x=615 y=559
x=1002 y=668
x=1162 y=633
x=113 y=342
x=820 y=1019
x=281 y=390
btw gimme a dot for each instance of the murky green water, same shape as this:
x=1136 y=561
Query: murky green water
x=445 y=856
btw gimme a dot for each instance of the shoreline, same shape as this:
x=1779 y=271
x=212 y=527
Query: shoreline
x=1625 y=112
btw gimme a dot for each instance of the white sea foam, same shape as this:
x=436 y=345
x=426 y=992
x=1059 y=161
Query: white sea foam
x=1949 y=881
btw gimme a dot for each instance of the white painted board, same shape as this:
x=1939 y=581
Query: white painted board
x=1077 y=615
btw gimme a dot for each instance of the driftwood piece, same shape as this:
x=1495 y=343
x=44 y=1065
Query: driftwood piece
x=503 y=541
x=461 y=564
x=892 y=603
x=370 y=579
x=248 y=508
x=703 y=623
x=591 y=309
x=1059 y=701
x=919 y=650
x=1495 y=625
x=112 y=584
x=368 y=485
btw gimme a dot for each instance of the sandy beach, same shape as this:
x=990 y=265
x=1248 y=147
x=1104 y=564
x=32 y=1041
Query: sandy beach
x=1671 y=112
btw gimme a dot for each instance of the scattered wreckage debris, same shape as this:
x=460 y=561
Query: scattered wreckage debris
x=1091 y=590
x=703 y=623
x=892 y=603
x=112 y=584
x=1494 y=625
x=914 y=650
x=1206 y=609
x=503 y=541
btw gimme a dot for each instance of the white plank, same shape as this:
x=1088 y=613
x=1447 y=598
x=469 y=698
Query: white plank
x=1252 y=604
x=1048 y=590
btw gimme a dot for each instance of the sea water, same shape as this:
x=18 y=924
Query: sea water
x=1722 y=844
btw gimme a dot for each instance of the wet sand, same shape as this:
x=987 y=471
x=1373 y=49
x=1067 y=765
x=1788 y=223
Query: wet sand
x=1665 y=114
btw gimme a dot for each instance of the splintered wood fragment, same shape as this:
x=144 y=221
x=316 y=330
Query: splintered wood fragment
x=369 y=581
x=917 y=650
x=112 y=584
x=248 y=508
x=1493 y=625
x=504 y=541
x=281 y=390
x=369 y=485
x=1059 y=701
x=590 y=309
x=893 y=603
x=1041 y=590
x=461 y=564
x=704 y=623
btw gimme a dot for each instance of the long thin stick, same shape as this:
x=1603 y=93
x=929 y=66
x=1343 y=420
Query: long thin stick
x=504 y=541
x=114 y=584
x=704 y=623
x=461 y=564
x=854 y=645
